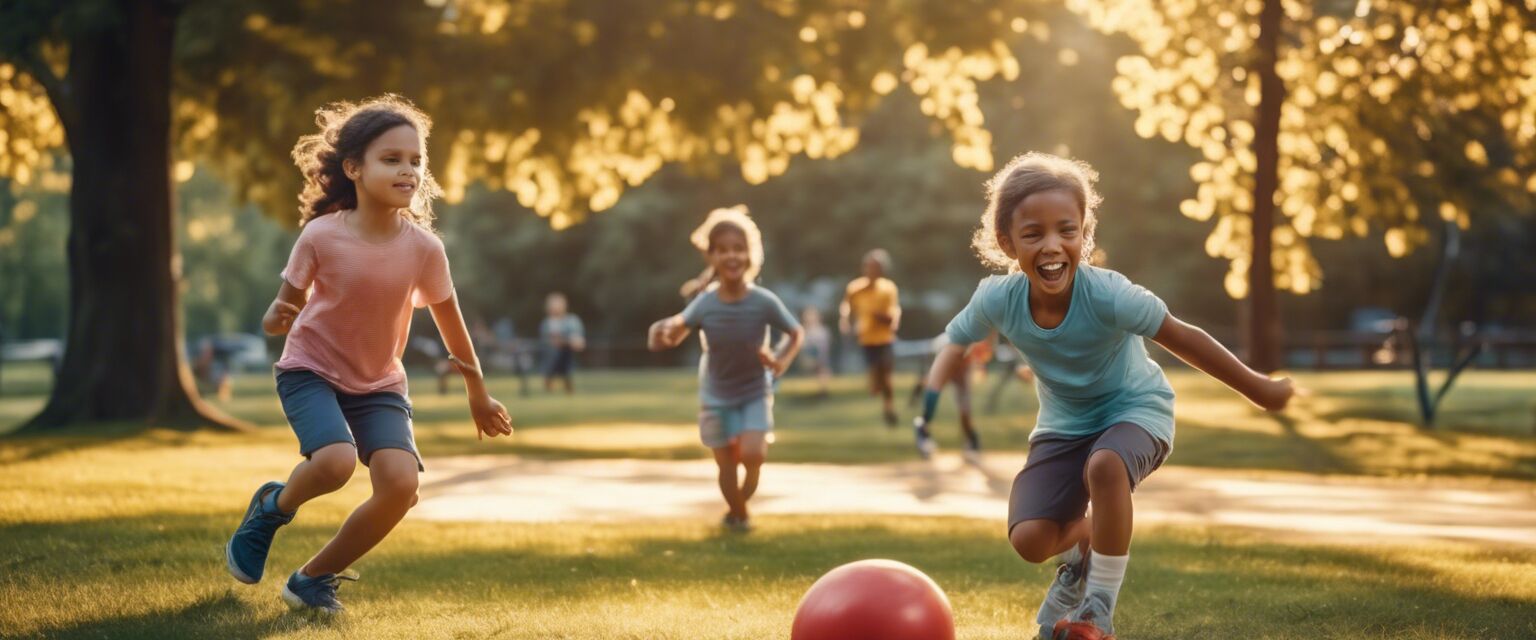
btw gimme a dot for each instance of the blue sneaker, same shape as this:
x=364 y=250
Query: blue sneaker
x=246 y=553
x=318 y=593
x=1066 y=593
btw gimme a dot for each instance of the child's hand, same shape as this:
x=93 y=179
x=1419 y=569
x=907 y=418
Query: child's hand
x=979 y=352
x=279 y=318
x=1275 y=394
x=491 y=418
x=771 y=363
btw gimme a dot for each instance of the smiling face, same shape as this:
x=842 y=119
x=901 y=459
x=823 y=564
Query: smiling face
x=728 y=255
x=1045 y=236
x=392 y=168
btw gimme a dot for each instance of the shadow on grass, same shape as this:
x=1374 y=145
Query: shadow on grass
x=1185 y=584
x=1198 y=444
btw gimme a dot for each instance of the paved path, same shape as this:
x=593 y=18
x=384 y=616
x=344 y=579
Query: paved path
x=508 y=488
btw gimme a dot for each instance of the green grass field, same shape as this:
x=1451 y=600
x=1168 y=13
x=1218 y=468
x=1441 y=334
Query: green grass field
x=116 y=531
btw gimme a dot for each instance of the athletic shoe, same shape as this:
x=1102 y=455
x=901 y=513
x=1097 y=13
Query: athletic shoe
x=317 y=593
x=1089 y=621
x=734 y=524
x=926 y=447
x=971 y=455
x=246 y=552
x=1066 y=593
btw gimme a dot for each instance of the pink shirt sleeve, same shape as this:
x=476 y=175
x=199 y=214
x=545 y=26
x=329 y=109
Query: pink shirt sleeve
x=435 y=284
x=300 y=271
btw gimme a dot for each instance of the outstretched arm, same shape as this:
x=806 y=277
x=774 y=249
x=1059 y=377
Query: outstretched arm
x=490 y=416
x=666 y=333
x=1196 y=347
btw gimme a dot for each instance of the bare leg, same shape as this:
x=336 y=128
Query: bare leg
x=754 y=451
x=327 y=469
x=1109 y=488
x=726 y=458
x=395 y=481
x=1040 y=540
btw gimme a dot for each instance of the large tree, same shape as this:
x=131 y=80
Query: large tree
x=1344 y=117
x=567 y=103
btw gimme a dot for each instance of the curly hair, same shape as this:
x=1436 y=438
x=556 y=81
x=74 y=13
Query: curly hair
x=721 y=221
x=1025 y=176
x=346 y=130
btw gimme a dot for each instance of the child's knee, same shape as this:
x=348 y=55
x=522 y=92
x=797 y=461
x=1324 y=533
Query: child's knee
x=398 y=488
x=334 y=464
x=1032 y=542
x=1105 y=469
x=753 y=457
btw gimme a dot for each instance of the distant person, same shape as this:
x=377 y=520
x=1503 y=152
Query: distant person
x=737 y=369
x=1106 y=409
x=563 y=337
x=365 y=257
x=214 y=362
x=960 y=378
x=817 y=354
x=871 y=304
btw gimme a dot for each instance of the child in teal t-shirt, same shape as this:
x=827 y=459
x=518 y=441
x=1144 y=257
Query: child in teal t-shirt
x=1106 y=410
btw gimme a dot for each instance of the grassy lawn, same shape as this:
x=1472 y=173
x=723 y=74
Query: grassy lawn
x=124 y=541
x=1356 y=423
x=115 y=531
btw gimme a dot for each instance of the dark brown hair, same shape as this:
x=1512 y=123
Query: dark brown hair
x=346 y=130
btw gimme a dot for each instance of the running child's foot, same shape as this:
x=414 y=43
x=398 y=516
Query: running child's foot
x=971 y=454
x=1091 y=620
x=1065 y=594
x=246 y=552
x=736 y=524
x=317 y=593
x=926 y=447
x=891 y=419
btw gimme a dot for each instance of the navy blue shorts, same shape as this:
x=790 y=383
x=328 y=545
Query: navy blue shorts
x=560 y=362
x=322 y=415
x=879 y=356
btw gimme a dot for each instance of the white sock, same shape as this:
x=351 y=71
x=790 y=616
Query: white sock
x=1105 y=573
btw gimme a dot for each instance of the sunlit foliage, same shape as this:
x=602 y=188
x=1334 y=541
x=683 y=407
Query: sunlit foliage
x=1397 y=115
x=566 y=103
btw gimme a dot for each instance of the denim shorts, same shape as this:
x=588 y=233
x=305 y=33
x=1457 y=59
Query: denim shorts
x=719 y=425
x=322 y=415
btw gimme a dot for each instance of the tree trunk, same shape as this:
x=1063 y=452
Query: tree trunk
x=124 y=359
x=1263 y=326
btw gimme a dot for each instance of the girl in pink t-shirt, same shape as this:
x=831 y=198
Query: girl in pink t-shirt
x=365 y=258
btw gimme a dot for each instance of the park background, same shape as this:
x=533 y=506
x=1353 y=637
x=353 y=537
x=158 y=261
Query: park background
x=148 y=203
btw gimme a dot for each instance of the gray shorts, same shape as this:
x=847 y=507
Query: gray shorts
x=1051 y=485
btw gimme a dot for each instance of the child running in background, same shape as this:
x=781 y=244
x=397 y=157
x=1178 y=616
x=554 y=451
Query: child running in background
x=960 y=377
x=1106 y=409
x=737 y=368
x=875 y=306
x=563 y=337
x=366 y=256
x=817 y=355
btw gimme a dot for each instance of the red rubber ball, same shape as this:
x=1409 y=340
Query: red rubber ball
x=874 y=600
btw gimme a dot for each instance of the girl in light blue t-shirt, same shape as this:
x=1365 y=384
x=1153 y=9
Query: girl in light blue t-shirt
x=1106 y=410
